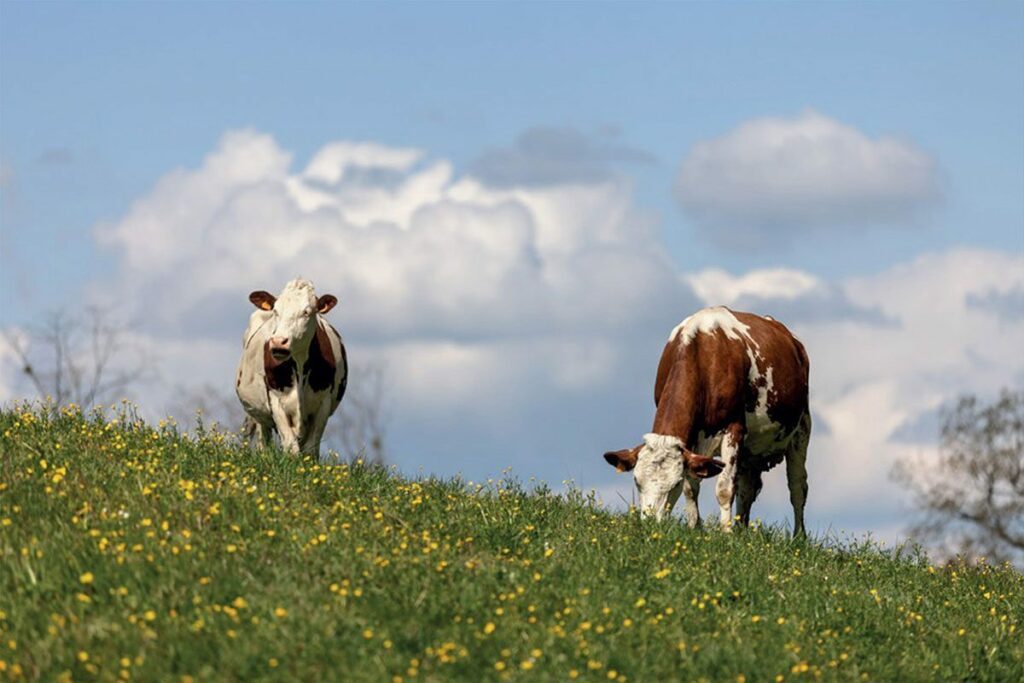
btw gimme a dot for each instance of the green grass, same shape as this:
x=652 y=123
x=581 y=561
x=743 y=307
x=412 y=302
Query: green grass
x=133 y=552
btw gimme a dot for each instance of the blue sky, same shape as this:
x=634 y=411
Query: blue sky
x=100 y=101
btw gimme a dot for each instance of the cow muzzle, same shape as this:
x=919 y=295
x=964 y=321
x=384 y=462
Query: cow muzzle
x=280 y=348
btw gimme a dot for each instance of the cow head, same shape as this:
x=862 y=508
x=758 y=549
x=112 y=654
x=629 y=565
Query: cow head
x=292 y=324
x=659 y=465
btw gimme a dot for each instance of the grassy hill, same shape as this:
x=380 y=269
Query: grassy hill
x=134 y=553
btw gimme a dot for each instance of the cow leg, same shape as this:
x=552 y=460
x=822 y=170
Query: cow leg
x=725 y=487
x=316 y=429
x=263 y=435
x=748 y=485
x=796 y=474
x=691 y=489
x=287 y=427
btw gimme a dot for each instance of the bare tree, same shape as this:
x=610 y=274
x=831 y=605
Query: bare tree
x=972 y=499
x=360 y=429
x=84 y=359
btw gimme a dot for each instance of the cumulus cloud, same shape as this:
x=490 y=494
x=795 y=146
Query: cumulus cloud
x=13 y=384
x=1007 y=303
x=555 y=156
x=419 y=253
x=771 y=179
x=522 y=324
x=790 y=295
x=436 y=273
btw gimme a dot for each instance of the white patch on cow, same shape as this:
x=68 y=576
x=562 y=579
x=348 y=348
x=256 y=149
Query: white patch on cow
x=287 y=411
x=709 y=321
x=659 y=474
x=764 y=436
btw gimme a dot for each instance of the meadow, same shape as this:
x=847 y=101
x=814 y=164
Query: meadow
x=132 y=552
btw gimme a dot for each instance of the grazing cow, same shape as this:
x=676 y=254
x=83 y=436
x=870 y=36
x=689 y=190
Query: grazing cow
x=293 y=370
x=728 y=383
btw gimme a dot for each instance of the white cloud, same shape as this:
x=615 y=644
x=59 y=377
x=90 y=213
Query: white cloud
x=790 y=295
x=13 y=384
x=522 y=325
x=455 y=284
x=771 y=179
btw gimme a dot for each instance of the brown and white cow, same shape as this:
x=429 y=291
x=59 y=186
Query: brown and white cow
x=731 y=384
x=293 y=370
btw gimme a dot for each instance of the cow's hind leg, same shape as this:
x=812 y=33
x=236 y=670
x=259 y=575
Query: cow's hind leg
x=264 y=434
x=725 y=487
x=796 y=473
x=691 y=489
x=748 y=485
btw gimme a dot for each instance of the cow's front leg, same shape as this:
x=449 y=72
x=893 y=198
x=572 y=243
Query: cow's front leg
x=725 y=487
x=287 y=424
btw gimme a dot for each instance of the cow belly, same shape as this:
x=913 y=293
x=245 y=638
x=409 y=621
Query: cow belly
x=252 y=392
x=766 y=438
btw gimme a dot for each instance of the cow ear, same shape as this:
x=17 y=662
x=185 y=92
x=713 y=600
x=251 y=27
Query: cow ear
x=263 y=300
x=622 y=461
x=702 y=466
x=326 y=303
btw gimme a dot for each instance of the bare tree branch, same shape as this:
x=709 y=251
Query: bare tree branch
x=83 y=349
x=971 y=501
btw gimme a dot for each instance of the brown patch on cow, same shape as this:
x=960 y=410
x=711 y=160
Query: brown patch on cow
x=704 y=388
x=262 y=300
x=668 y=359
x=320 y=366
x=280 y=375
x=624 y=460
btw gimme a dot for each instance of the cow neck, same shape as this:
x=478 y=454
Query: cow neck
x=676 y=414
